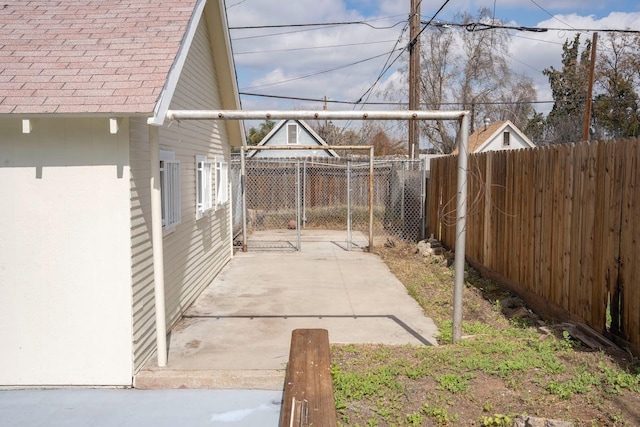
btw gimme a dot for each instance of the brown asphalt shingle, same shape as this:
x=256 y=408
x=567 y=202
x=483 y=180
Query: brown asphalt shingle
x=87 y=56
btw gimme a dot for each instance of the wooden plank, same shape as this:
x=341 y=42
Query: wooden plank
x=557 y=248
x=631 y=296
x=576 y=236
x=529 y=191
x=615 y=230
x=627 y=244
x=588 y=217
x=537 y=222
x=308 y=391
x=633 y=300
x=599 y=260
x=564 y=223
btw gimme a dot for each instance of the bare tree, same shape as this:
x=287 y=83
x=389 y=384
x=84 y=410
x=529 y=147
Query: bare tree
x=616 y=110
x=468 y=68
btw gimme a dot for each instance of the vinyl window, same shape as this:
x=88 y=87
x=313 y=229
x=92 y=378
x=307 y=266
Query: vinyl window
x=292 y=133
x=204 y=185
x=506 y=139
x=222 y=182
x=170 y=189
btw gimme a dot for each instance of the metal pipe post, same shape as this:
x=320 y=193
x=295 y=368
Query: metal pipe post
x=348 y=205
x=371 y=153
x=461 y=227
x=243 y=192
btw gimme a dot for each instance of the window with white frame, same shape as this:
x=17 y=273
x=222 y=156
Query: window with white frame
x=292 y=133
x=222 y=182
x=170 y=189
x=505 y=139
x=204 y=185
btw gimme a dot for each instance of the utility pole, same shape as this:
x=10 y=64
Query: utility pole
x=414 y=76
x=592 y=65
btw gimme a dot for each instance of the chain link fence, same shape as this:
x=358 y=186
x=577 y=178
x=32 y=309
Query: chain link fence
x=288 y=195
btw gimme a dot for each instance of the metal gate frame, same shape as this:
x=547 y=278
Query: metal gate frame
x=463 y=159
x=243 y=175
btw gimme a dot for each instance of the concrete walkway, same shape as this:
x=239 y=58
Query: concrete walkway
x=236 y=335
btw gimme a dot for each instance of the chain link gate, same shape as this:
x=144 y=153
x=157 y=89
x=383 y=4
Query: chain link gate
x=292 y=197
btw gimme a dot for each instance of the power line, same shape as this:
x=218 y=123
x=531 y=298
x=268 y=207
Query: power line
x=412 y=42
x=319 y=100
x=261 y=36
x=313 y=47
x=313 y=74
x=481 y=26
x=548 y=13
x=319 y=24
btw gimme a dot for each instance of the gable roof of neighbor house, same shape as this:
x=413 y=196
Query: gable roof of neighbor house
x=317 y=138
x=483 y=136
x=79 y=57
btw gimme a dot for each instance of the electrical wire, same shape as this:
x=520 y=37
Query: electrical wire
x=449 y=104
x=312 y=74
x=314 y=47
x=319 y=24
x=481 y=26
x=551 y=15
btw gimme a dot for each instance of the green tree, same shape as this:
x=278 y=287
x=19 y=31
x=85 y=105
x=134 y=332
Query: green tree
x=536 y=129
x=569 y=90
x=256 y=135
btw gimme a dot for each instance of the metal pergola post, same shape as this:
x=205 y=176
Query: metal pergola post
x=463 y=143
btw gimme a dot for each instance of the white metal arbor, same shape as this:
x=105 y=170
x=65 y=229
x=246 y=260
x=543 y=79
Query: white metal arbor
x=462 y=117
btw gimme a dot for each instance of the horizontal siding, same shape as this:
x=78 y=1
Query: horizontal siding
x=141 y=249
x=197 y=250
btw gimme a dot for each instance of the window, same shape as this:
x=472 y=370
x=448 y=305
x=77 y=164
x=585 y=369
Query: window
x=222 y=182
x=505 y=139
x=204 y=187
x=170 y=189
x=292 y=133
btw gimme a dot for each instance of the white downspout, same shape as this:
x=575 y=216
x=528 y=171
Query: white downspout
x=158 y=251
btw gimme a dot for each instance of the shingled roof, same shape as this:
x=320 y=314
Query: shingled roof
x=88 y=56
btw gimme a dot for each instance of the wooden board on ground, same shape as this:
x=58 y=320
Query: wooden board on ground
x=308 y=389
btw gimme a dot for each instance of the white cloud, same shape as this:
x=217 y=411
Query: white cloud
x=286 y=56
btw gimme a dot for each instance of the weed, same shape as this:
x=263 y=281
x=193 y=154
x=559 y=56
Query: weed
x=446 y=332
x=581 y=383
x=499 y=420
x=439 y=415
x=414 y=372
x=415 y=419
x=615 y=380
x=454 y=383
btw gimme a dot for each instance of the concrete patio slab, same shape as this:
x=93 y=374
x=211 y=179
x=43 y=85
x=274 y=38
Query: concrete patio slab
x=237 y=333
x=139 y=408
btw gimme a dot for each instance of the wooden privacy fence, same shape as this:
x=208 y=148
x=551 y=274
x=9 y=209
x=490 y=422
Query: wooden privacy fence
x=560 y=225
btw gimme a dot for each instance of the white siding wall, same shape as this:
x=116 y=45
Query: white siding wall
x=65 y=287
x=141 y=249
x=197 y=250
x=280 y=138
x=515 y=142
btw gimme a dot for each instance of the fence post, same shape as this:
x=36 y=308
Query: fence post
x=348 y=204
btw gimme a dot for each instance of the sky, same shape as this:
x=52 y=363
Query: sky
x=344 y=62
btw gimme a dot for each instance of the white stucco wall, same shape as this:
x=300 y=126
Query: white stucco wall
x=65 y=284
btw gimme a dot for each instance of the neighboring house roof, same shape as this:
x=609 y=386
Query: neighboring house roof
x=484 y=135
x=79 y=57
x=316 y=138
